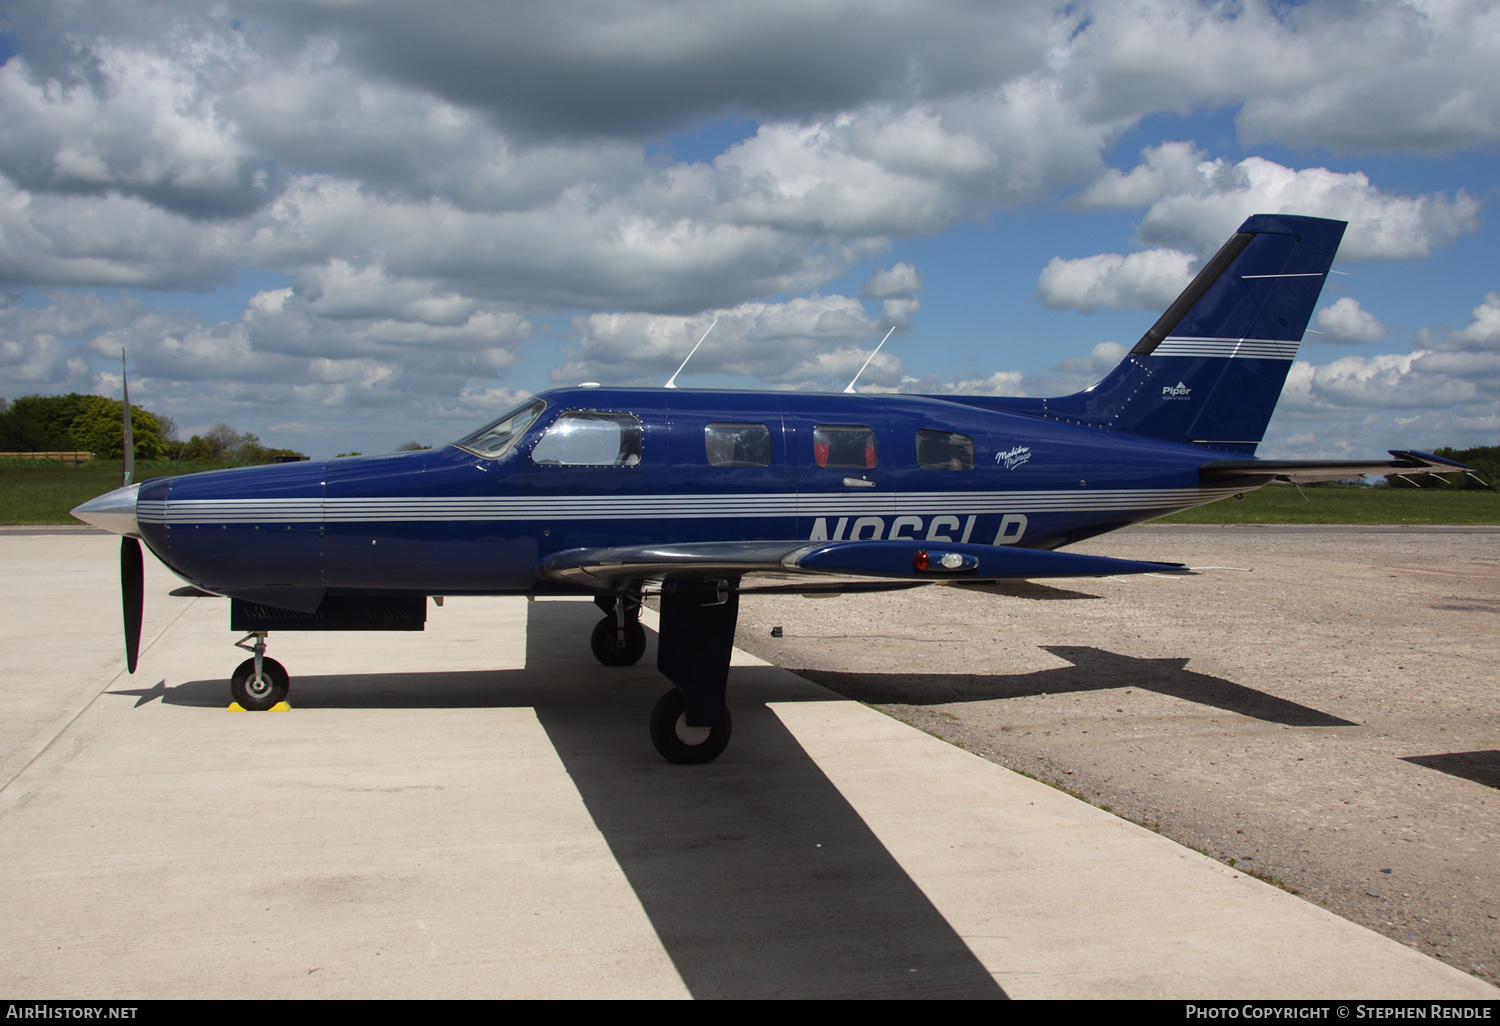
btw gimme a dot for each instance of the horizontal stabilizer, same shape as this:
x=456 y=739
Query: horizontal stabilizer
x=909 y=561
x=1252 y=473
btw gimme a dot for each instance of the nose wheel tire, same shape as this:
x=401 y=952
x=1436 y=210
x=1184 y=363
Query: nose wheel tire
x=609 y=648
x=679 y=743
x=257 y=694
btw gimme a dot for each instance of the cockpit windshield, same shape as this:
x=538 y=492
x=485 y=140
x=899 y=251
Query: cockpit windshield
x=495 y=439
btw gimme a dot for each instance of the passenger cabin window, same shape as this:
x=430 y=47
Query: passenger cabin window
x=495 y=439
x=844 y=446
x=591 y=439
x=944 y=450
x=738 y=445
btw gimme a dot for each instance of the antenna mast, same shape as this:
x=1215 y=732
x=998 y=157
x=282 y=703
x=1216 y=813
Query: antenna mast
x=672 y=381
x=849 y=388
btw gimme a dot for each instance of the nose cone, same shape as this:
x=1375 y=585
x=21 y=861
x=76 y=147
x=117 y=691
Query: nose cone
x=114 y=511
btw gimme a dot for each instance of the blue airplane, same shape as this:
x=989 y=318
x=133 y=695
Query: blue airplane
x=699 y=496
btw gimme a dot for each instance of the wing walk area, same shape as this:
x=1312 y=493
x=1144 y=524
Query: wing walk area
x=473 y=812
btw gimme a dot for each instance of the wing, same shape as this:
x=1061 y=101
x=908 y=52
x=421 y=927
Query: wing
x=827 y=566
x=1253 y=473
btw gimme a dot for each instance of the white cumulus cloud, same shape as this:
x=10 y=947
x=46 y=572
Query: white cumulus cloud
x=1445 y=392
x=807 y=342
x=1483 y=330
x=1150 y=279
x=1346 y=321
x=431 y=178
x=900 y=282
x=1198 y=207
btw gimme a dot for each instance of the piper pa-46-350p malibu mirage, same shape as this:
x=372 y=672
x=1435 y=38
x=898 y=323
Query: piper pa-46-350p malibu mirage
x=699 y=496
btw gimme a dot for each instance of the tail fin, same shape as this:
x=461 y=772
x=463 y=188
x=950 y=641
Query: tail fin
x=1210 y=370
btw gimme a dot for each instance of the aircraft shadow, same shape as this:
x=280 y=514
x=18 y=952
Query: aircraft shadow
x=1093 y=669
x=1480 y=767
x=760 y=879
x=1027 y=590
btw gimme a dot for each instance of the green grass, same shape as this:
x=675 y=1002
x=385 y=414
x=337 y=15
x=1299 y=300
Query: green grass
x=1281 y=504
x=42 y=492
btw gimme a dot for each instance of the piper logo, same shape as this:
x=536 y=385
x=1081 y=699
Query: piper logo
x=1177 y=391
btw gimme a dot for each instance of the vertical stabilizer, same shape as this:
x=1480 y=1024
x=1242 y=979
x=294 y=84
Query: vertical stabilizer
x=1211 y=368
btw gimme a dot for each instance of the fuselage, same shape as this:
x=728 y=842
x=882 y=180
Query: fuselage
x=675 y=466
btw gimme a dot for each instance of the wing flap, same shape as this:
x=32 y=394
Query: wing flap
x=617 y=564
x=906 y=561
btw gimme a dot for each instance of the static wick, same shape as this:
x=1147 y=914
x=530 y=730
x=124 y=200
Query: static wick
x=672 y=381
x=850 y=387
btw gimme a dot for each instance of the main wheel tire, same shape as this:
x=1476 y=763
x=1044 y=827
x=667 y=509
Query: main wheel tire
x=258 y=695
x=679 y=743
x=605 y=641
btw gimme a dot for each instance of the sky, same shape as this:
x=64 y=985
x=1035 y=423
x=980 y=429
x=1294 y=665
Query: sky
x=347 y=224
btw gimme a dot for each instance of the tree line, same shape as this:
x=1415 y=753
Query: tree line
x=93 y=423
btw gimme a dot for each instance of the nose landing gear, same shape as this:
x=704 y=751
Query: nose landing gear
x=258 y=683
x=619 y=639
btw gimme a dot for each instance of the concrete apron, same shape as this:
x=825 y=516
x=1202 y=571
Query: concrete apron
x=476 y=811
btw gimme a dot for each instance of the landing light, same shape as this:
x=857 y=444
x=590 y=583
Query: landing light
x=939 y=561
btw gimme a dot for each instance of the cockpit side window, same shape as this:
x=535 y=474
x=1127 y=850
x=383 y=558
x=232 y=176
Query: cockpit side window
x=737 y=445
x=495 y=439
x=944 y=450
x=844 y=445
x=592 y=439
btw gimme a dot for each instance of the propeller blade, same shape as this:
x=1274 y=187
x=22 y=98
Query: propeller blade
x=128 y=451
x=133 y=595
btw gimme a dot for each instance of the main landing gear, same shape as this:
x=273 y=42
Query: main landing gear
x=619 y=639
x=258 y=683
x=691 y=723
x=679 y=743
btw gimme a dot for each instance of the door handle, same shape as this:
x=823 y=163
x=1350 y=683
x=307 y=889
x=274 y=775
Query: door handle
x=858 y=482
